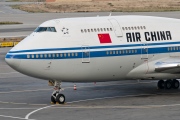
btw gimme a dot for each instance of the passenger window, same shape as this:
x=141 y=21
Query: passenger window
x=117 y=52
x=57 y=55
x=91 y=30
x=126 y=51
x=110 y=29
x=64 y=54
x=110 y=52
x=28 y=56
x=61 y=55
x=76 y=54
x=176 y=48
x=37 y=56
x=45 y=55
x=32 y=56
x=53 y=55
x=72 y=54
x=41 y=55
x=114 y=52
x=122 y=52
x=132 y=51
x=107 y=52
x=49 y=55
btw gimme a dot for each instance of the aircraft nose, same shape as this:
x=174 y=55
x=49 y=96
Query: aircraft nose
x=12 y=61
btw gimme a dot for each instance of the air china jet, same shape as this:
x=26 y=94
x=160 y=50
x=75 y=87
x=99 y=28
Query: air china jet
x=98 y=49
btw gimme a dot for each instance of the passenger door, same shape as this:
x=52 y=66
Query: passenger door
x=116 y=27
x=85 y=54
x=144 y=51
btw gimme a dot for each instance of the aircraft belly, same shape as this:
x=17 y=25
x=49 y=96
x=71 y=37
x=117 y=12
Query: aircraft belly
x=99 y=69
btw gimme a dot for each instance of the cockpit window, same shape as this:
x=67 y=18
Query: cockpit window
x=43 y=29
x=53 y=29
x=48 y=29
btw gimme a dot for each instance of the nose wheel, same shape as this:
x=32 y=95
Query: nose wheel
x=168 y=84
x=60 y=99
x=56 y=96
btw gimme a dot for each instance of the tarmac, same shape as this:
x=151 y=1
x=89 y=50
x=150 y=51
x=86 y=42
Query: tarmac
x=27 y=98
x=23 y=97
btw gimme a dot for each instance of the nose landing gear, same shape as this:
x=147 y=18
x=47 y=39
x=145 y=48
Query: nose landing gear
x=60 y=98
x=56 y=97
x=168 y=84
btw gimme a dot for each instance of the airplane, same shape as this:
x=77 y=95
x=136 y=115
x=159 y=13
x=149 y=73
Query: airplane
x=99 y=49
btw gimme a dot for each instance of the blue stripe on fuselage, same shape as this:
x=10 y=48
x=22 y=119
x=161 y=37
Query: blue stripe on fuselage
x=95 y=47
x=93 y=54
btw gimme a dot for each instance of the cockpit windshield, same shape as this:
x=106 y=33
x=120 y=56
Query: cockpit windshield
x=43 y=29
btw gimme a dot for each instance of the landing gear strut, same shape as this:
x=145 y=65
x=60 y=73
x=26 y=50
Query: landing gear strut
x=56 y=97
x=168 y=84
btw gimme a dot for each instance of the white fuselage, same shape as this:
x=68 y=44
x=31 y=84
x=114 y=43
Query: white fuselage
x=98 y=49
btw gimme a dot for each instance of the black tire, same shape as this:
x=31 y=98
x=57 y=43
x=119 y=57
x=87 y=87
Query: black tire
x=60 y=99
x=175 y=84
x=53 y=100
x=168 y=84
x=160 y=84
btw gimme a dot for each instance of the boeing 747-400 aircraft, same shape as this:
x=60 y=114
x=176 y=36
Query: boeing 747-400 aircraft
x=96 y=49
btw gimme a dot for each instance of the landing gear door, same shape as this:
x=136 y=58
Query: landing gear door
x=144 y=51
x=116 y=27
x=85 y=54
